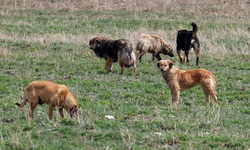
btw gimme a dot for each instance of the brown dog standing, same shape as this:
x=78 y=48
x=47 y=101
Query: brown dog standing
x=181 y=80
x=55 y=95
x=153 y=44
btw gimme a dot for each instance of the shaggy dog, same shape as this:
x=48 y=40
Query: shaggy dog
x=112 y=51
x=55 y=95
x=181 y=80
x=185 y=41
x=153 y=44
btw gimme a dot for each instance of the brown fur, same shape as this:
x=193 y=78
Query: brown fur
x=55 y=95
x=112 y=51
x=153 y=44
x=181 y=80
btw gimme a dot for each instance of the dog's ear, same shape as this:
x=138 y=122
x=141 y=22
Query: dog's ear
x=158 y=64
x=170 y=64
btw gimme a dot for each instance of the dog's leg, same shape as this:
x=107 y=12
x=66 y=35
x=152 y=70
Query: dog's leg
x=51 y=108
x=186 y=56
x=134 y=67
x=108 y=65
x=153 y=56
x=140 y=54
x=158 y=56
x=210 y=91
x=122 y=66
x=206 y=96
x=175 y=95
x=61 y=112
x=197 y=53
x=32 y=108
x=139 y=58
x=215 y=98
x=179 y=54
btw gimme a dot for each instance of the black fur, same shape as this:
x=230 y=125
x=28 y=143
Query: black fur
x=111 y=48
x=114 y=50
x=184 y=41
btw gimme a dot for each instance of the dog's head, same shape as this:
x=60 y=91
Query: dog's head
x=167 y=50
x=165 y=65
x=70 y=104
x=74 y=111
x=95 y=43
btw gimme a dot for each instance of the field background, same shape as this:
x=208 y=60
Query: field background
x=48 y=40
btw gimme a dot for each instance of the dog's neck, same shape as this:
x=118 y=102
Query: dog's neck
x=171 y=73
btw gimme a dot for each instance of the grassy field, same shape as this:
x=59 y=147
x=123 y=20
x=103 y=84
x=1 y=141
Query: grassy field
x=52 y=44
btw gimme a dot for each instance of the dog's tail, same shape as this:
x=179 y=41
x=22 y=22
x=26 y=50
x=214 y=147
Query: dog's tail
x=195 y=28
x=127 y=56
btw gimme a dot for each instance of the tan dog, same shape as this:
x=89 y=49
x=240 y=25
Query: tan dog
x=153 y=44
x=181 y=80
x=55 y=95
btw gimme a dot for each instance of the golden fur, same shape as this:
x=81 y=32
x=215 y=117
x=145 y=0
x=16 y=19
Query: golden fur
x=153 y=44
x=181 y=80
x=55 y=95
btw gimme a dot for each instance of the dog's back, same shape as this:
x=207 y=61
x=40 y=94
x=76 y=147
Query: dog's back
x=43 y=91
x=149 y=43
x=183 y=39
x=153 y=44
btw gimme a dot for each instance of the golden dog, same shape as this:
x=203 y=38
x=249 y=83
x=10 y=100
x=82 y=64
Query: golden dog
x=55 y=95
x=181 y=80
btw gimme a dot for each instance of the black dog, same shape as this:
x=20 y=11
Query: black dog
x=114 y=51
x=185 y=41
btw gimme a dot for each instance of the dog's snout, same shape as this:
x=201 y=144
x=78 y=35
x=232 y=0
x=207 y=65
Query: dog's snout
x=171 y=54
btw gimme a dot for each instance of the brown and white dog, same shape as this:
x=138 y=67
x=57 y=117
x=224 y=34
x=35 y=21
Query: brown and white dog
x=55 y=95
x=181 y=80
x=153 y=44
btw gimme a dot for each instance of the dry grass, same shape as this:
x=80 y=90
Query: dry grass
x=209 y=36
x=226 y=7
